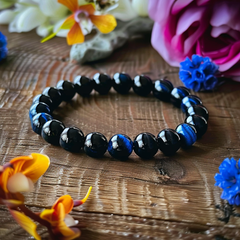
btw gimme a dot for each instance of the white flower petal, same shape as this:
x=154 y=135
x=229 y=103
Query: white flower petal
x=52 y=8
x=44 y=29
x=140 y=7
x=7 y=16
x=124 y=11
x=69 y=220
x=61 y=33
x=6 y=3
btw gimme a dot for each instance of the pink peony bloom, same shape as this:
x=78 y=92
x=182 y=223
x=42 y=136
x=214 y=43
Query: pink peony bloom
x=210 y=28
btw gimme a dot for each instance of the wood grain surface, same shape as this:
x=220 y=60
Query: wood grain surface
x=161 y=198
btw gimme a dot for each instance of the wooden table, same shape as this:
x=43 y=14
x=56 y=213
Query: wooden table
x=162 y=198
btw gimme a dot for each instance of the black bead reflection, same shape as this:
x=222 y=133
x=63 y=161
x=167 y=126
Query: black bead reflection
x=142 y=85
x=43 y=99
x=162 y=90
x=102 y=83
x=72 y=139
x=38 y=108
x=122 y=83
x=189 y=101
x=169 y=141
x=178 y=94
x=83 y=85
x=67 y=89
x=54 y=95
x=38 y=121
x=51 y=131
x=199 y=110
x=199 y=123
x=145 y=145
x=95 y=145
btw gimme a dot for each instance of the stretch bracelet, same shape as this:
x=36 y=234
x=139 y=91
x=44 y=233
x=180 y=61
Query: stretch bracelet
x=120 y=146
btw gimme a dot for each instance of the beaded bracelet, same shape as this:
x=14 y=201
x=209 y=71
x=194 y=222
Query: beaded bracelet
x=119 y=146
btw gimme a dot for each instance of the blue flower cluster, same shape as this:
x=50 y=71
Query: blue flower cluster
x=3 y=47
x=199 y=73
x=229 y=180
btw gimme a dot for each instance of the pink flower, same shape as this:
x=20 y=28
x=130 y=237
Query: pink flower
x=210 y=28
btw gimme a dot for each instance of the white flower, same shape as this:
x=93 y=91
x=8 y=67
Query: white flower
x=140 y=7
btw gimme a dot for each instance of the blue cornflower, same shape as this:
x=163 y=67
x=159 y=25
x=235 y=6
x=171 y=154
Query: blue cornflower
x=3 y=47
x=235 y=200
x=198 y=73
x=229 y=180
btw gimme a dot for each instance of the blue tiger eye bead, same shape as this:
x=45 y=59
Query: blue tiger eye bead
x=178 y=94
x=122 y=83
x=67 y=89
x=95 y=145
x=162 y=90
x=72 y=139
x=189 y=101
x=188 y=134
x=43 y=99
x=120 y=146
x=54 y=95
x=199 y=123
x=169 y=141
x=38 y=121
x=83 y=85
x=142 y=85
x=145 y=145
x=199 y=110
x=102 y=83
x=38 y=108
x=51 y=131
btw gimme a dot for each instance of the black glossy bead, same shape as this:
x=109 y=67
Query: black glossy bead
x=189 y=101
x=178 y=94
x=199 y=123
x=95 y=144
x=54 y=95
x=120 y=146
x=51 y=131
x=43 y=99
x=67 y=89
x=162 y=90
x=83 y=85
x=142 y=85
x=188 y=134
x=199 y=110
x=122 y=83
x=169 y=141
x=102 y=83
x=38 y=108
x=39 y=120
x=72 y=139
x=145 y=145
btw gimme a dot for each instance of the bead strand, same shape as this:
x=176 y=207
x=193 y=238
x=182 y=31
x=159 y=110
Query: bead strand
x=120 y=146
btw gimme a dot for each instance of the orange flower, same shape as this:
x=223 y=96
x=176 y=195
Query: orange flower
x=59 y=218
x=23 y=172
x=81 y=21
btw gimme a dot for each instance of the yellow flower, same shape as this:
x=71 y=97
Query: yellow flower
x=81 y=21
x=23 y=172
x=59 y=218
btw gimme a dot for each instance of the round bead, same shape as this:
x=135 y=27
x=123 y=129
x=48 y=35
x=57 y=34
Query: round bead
x=43 y=99
x=162 y=89
x=72 y=139
x=169 y=141
x=188 y=134
x=122 y=83
x=178 y=94
x=39 y=120
x=67 y=89
x=95 y=144
x=189 y=101
x=199 y=123
x=103 y=83
x=145 y=145
x=51 y=131
x=142 y=85
x=83 y=85
x=120 y=146
x=38 y=108
x=54 y=95
x=199 y=110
